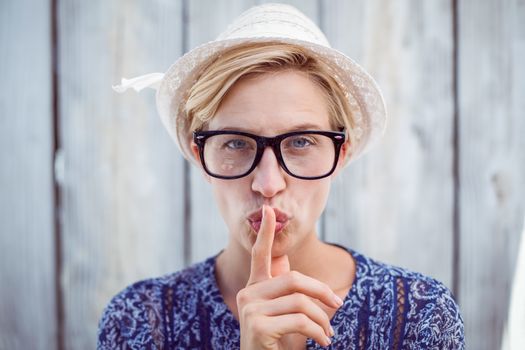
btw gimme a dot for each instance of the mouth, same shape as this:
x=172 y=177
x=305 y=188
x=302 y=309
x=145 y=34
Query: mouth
x=281 y=220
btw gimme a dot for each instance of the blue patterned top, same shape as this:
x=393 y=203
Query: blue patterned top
x=386 y=308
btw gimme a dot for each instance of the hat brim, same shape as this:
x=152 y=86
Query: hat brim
x=364 y=97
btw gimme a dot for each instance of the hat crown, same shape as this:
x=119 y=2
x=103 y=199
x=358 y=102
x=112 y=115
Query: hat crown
x=273 y=23
x=274 y=20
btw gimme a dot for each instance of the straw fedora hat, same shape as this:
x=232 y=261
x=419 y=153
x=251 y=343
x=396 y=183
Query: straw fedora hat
x=266 y=23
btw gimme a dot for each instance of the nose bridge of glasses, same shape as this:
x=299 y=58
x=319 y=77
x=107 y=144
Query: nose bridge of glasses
x=268 y=172
x=271 y=143
x=265 y=162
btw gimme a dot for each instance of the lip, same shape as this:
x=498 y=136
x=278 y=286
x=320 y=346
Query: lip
x=281 y=220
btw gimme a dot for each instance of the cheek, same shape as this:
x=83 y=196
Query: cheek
x=230 y=196
x=311 y=200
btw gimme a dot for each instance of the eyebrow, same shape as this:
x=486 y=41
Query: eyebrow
x=300 y=127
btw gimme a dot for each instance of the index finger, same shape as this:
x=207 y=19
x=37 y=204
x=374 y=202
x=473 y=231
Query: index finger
x=262 y=249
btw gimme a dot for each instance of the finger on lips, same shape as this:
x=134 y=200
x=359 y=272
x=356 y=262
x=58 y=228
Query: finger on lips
x=287 y=296
x=262 y=249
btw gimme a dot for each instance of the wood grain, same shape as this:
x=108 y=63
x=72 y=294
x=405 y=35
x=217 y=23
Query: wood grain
x=491 y=44
x=27 y=272
x=122 y=190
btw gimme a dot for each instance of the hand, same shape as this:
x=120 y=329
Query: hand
x=276 y=302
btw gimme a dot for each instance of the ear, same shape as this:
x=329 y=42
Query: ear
x=196 y=155
x=343 y=154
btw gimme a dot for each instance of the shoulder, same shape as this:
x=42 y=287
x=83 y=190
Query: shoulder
x=136 y=317
x=422 y=310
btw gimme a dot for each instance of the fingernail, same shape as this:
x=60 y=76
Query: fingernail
x=328 y=341
x=338 y=300
x=332 y=332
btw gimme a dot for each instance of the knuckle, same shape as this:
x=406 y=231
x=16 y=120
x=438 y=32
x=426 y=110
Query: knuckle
x=302 y=322
x=256 y=328
x=249 y=311
x=301 y=301
x=326 y=320
x=242 y=297
x=294 y=279
x=327 y=291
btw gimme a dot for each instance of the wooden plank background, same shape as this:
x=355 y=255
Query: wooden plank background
x=122 y=212
x=27 y=234
x=492 y=160
x=95 y=196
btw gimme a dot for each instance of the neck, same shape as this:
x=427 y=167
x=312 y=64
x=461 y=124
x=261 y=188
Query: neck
x=233 y=264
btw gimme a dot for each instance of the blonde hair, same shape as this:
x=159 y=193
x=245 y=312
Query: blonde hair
x=221 y=74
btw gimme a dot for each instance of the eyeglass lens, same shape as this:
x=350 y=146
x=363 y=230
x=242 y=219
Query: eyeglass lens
x=305 y=155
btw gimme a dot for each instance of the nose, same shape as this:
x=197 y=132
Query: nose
x=268 y=176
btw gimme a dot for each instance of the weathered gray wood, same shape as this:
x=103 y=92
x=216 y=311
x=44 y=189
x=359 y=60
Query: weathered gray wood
x=396 y=203
x=492 y=182
x=122 y=185
x=27 y=273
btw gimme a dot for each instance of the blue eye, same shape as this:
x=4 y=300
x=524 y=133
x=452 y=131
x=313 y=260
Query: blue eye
x=236 y=144
x=300 y=142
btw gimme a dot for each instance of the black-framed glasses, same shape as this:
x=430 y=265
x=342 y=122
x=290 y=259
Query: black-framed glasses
x=308 y=155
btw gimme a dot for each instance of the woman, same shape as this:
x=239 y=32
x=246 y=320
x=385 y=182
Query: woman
x=271 y=114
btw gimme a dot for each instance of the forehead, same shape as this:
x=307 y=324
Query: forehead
x=272 y=103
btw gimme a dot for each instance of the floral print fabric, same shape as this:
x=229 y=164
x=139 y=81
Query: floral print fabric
x=386 y=308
